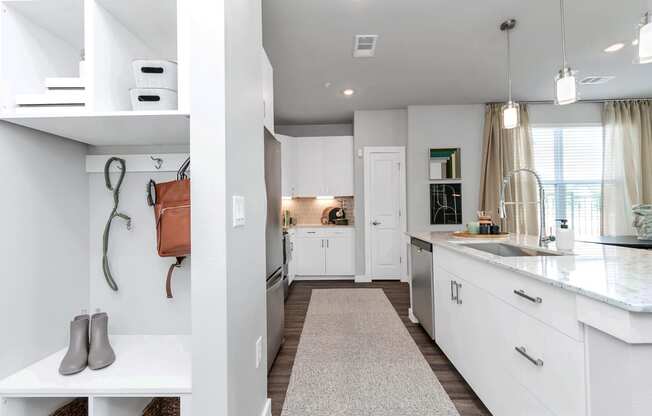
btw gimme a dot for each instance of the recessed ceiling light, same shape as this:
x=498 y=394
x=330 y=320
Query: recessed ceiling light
x=327 y=85
x=348 y=92
x=615 y=47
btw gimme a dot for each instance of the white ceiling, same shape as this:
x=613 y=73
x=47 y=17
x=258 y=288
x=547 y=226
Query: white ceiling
x=441 y=52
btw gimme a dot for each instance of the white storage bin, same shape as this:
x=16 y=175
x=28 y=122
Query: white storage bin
x=155 y=74
x=153 y=99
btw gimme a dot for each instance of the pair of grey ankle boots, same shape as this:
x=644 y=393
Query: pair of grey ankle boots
x=89 y=345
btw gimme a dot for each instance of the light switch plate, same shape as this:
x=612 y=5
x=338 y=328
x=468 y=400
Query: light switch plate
x=239 y=219
x=259 y=351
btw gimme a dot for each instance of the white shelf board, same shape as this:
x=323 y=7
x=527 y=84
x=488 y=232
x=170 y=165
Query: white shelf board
x=123 y=128
x=146 y=365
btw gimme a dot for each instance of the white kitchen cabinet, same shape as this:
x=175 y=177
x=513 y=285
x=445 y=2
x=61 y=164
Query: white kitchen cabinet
x=268 y=92
x=310 y=256
x=480 y=333
x=324 y=252
x=320 y=166
x=287 y=165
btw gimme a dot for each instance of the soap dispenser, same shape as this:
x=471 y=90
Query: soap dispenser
x=565 y=236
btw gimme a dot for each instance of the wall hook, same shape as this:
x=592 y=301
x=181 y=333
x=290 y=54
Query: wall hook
x=158 y=162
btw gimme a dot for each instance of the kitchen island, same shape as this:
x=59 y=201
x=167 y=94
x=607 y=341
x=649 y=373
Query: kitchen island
x=548 y=332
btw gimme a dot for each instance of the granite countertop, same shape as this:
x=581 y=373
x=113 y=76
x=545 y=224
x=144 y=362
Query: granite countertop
x=618 y=276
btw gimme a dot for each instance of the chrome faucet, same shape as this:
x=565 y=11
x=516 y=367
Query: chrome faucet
x=502 y=212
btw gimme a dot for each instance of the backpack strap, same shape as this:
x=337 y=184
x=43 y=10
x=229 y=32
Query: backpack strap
x=168 y=280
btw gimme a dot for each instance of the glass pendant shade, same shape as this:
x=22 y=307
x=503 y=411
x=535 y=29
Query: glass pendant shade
x=645 y=41
x=565 y=87
x=511 y=115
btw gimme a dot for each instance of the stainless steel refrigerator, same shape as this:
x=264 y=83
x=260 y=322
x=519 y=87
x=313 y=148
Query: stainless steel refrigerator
x=274 y=249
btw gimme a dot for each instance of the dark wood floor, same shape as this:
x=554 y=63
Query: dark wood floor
x=465 y=400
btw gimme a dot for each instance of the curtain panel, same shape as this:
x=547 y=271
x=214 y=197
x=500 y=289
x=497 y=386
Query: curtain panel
x=627 y=177
x=503 y=152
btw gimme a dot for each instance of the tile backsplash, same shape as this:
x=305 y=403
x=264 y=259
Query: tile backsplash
x=308 y=211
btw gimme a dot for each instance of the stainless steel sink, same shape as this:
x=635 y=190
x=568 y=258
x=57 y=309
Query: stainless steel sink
x=507 y=250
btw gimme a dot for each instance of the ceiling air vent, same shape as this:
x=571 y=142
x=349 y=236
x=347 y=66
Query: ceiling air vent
x=596 y=80
x=365 y=46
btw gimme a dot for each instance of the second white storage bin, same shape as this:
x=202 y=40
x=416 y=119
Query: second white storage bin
x=155 y=74
x=153 y=99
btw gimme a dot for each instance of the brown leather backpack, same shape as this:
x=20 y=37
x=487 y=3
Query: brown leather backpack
x=171 y=202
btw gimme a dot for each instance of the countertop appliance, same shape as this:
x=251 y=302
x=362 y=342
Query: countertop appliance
x=422 y=285
x=274 y=249
x=334 y=216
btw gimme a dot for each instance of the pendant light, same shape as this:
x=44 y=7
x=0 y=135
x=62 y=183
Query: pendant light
x=645 y=39
x=565 y=82
x=510 y=111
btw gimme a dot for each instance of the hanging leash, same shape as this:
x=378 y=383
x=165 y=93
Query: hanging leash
x=114 y=214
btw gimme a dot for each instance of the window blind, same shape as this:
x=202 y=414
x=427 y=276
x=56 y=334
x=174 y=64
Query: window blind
x=569 y=160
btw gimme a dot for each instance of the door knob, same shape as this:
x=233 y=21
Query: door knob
x=375 y=223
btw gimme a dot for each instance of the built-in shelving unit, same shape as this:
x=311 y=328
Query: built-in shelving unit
x=92 y=43
x=146 y=367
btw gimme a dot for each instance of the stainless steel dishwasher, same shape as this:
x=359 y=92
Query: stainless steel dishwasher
x=423 y=306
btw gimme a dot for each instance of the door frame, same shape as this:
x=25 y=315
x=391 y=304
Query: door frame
x=367 y=151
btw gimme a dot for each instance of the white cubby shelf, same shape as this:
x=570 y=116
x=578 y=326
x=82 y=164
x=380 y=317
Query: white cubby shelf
x=44 y=41
x=147 y=366
x=113 y=128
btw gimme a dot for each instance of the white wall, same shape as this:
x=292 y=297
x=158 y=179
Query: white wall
x=443 y=126
x=245 y=176
x=372 y=128
x=44 y=278
x=140 y=305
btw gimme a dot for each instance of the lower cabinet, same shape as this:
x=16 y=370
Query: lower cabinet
x=324 y=252
x=515 y=363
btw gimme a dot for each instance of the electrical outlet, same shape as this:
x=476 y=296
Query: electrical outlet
x=259 y=351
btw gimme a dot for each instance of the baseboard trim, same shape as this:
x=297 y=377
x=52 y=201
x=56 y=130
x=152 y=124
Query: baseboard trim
x=413 y=318
x=362 y=279
x=267 y=410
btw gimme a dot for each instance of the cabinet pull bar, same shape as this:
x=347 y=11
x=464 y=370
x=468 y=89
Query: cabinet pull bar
x=457 y=297
x=536 y=361
x=453 y=290
x=524 y=295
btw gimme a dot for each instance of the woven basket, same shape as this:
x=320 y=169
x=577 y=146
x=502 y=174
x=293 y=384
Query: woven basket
x=163 y=406
x=77 y=407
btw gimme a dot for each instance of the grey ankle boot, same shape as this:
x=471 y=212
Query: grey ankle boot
x=77 y=356
x=100 y=354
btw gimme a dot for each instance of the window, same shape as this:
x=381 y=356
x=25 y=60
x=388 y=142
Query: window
x=569 y=160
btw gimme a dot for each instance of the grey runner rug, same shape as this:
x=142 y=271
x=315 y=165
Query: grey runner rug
x=356 y=358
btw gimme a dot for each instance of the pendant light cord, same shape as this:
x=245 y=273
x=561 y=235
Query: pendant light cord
x=563 y=33
x=509 y=66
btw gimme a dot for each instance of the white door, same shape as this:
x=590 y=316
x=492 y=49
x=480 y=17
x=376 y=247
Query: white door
x=339 y=256
x=309 y=256
x=384 y=210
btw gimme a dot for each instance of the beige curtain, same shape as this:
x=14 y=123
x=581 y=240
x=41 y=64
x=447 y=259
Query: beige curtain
x=503 y=152
x=627 y=178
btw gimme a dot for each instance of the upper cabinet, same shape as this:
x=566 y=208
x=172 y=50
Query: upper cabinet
x=317 y=166
x=268 y=92
x=67 y=67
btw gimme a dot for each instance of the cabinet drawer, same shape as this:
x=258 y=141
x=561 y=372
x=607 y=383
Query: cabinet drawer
x=548 y=363
x=552 y=305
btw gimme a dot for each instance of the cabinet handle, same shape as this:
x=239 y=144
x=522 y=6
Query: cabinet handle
x=524 y=295
x=322 y=243
x=457 y=295
x=328 y=244
x=452 y=290
x=536 y=361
